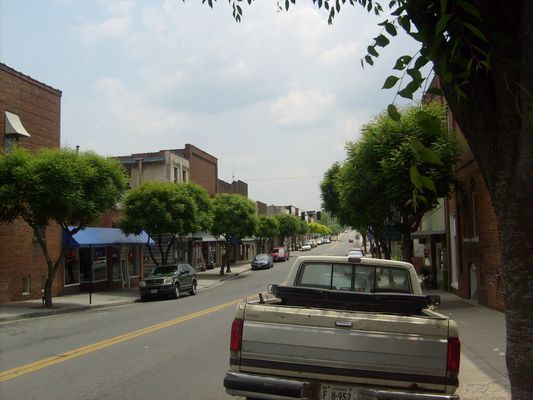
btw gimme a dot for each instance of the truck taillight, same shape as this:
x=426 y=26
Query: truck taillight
x=454 y=354
x=236 y=335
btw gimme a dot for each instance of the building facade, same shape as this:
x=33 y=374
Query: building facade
x=473 y=235
x=189 y=164
x=472 y=259
x=30 y=117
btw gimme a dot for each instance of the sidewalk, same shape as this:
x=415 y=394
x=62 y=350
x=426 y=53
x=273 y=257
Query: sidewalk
x=483 y=373
x=84 y=301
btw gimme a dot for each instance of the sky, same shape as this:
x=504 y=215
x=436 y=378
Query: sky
x=274 y=98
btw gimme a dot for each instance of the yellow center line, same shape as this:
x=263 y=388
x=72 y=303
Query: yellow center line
x=46 y=362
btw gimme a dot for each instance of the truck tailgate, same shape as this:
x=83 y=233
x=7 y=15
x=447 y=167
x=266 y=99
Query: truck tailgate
x=346 y=346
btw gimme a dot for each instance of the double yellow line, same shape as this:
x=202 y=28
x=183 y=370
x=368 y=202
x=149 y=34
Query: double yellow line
x=47 y=362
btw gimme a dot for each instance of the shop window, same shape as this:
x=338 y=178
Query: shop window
x=72 y=267
x=26 y=285
x=93 y=264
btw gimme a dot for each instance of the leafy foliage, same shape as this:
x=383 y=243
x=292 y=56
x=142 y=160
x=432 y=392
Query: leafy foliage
x=373 y=183
x=289 y=225
x=267 y=228
x=234 y=216
x=161 y=208
x=204 y=205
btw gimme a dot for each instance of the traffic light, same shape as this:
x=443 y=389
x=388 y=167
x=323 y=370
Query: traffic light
x=302 y=215
x=318 y=215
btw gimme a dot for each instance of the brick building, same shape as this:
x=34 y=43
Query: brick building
x=473 y=251
x=473 y=235
x=189 y=164
x=30 y=116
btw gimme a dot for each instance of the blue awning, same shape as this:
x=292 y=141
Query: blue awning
x=90 y=237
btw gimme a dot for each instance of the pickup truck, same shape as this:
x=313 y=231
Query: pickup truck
x=344 y=328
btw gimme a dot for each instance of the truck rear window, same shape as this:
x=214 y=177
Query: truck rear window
x=354 y=278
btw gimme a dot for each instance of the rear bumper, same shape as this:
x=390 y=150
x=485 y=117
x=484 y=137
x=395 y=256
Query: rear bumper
x=263 y=387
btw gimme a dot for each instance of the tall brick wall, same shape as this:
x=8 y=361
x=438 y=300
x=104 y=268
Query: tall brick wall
x=479 y=250
x=39 y=109
x=203 y=168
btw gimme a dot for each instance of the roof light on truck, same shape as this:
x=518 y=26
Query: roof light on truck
x=236 y=335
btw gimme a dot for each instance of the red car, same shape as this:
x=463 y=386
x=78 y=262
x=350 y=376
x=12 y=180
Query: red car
x=279 y=253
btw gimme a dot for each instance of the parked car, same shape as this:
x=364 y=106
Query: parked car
x=306 y=246
x=262 y=261
x=280 y=253
x=169 y=281
x=356 y=252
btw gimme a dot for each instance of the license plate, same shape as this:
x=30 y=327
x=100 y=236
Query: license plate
x=153 y=291
x=337 y=392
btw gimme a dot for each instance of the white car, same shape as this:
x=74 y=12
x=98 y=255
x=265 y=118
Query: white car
x=306 y=247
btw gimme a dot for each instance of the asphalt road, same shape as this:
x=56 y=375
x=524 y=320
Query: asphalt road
x=167 y=349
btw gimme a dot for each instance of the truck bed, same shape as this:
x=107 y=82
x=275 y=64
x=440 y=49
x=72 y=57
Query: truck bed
x=386 y=302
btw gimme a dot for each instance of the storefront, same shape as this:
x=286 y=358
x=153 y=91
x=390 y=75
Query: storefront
x=99 y=259
x=205 y=251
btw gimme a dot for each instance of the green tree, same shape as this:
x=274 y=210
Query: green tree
x=234 y=218
x=160 y=208
x=374 y=182
x=267 y=228
x=204 y=205
x=57 y=186
x=288 y=227
x=482 y=53
x=303 y=228
x=329 y=190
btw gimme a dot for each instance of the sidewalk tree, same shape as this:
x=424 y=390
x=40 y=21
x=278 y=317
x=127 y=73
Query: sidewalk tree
x=303 y=228
x=161 y=209
x=288 y=226
x=234 y=217
x=374 y=181
x=267 y=228
x=57 y=186
x=204 y=205
x=482 y=52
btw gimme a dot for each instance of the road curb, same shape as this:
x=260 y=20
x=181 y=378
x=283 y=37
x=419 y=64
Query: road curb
x=45 y=312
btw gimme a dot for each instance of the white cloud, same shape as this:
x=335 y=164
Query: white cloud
x=112 y=28
x=275 y=96
x=302 y=107
x=343 y=52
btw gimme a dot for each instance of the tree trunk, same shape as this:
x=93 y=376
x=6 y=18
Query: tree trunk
x=229 y=248
x=515 y=218
x=501 y=140
x=39 y=233
x=407 y=247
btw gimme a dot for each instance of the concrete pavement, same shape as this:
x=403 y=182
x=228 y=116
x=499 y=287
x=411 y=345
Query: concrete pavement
x=483 y=374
